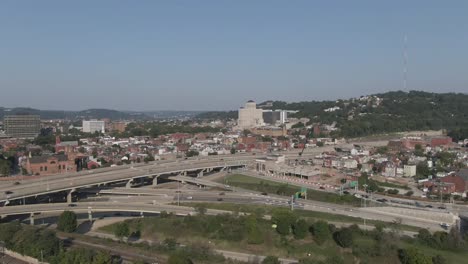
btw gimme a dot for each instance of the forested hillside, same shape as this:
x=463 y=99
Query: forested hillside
x=387 y=112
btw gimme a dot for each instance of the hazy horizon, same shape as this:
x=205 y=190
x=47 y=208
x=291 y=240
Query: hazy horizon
x=216 y=55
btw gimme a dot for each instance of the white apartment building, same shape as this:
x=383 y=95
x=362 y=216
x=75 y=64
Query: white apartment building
x=409 y=170
x=250 y=116
x=92 y=126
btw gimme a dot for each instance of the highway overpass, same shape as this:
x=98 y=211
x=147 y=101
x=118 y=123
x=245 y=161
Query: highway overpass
x=86 y=180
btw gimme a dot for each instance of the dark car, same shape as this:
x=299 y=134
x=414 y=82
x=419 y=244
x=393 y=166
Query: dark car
x=8 y=192
x=429 y=206
x=220 y=199
x=16 y=183
x=71 y=205
x=346 y=192
x=442 y=207
x=264 y=193
x=221 y=193
x=321 y=187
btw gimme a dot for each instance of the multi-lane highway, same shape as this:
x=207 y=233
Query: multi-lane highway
x=87 y=180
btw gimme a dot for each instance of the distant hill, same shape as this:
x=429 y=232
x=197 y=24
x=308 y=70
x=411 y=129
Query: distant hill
x=98 y=114
x=218 y=115
x=382 y=113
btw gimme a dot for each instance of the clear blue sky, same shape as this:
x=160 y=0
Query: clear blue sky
x=215 y=55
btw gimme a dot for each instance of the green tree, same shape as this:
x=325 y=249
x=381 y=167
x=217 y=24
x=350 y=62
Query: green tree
x=201 y=209
x=300 y=229
x=344 y=237
x=254 y=234
x=191 y=153
x=122 y=230
x=178 y=258
x=102 y=258
x=413 y=256
x=5 y=167
x=67 y=222
x=284 y=219
x=271 y=260
x=438 y=259
x=320 y=231
x=233 y=151
x=418 y=150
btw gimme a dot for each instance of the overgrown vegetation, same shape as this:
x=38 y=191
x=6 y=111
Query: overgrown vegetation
x=271 y=187
x=289 y=235
x=43 y=244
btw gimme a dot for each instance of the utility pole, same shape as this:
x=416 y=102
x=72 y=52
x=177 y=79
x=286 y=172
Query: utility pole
x=292 y=202
x=178 y=193
x=364 y=199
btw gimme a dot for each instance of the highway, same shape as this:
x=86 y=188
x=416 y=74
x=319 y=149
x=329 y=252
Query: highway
x=86 y=180
x=153 y=201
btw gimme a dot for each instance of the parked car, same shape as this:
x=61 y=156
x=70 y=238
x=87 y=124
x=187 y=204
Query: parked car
x=71 y=205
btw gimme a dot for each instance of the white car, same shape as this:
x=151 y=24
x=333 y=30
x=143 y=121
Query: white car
x=444 y=225
x=189 y=197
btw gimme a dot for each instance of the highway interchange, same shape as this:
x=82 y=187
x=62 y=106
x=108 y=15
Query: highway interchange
x=154 y=200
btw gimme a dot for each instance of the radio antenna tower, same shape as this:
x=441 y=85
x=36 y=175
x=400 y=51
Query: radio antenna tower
x=405 y=63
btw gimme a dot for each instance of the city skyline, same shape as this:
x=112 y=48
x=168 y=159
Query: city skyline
x=216 y=55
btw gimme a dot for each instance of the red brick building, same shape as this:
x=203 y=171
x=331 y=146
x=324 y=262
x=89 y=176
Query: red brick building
x=48 y=165
x=441 y=141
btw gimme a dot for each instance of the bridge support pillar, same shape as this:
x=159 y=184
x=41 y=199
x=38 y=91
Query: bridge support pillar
x=200 y=174
x=129 y=184
x=70 y=196
x=90 y=215
x=31 y=219
x=155 y=180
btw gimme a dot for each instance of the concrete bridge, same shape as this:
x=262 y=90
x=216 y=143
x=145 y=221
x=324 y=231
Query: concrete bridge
x=129 y=174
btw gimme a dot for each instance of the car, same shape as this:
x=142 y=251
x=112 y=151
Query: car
x=382 y=200
x=442 y=207
x=220 y=199
x=189 y=198
x=264 y=193
x=444 y=225
x=322 y=188
x=71 y=205
x=8 y=192
x=365 y=196
x=346 y=192
x=429 y=206
x=221 y=193
x=16 y=183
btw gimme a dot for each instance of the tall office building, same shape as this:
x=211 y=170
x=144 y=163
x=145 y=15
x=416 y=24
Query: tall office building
x=22 y=126
x=92 y=126
x=250 y=116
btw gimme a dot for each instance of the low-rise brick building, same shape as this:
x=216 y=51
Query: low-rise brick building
x=48 y=165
